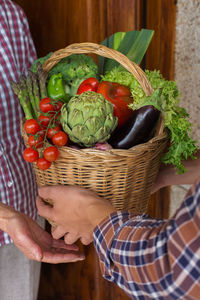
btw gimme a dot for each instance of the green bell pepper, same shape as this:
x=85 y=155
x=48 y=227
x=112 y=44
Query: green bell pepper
x=56 y=88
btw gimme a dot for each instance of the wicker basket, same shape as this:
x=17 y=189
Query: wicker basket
x=125 y=177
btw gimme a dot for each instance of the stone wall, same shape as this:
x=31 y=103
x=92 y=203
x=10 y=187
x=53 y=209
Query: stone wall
x=187 y=59
x=187 y=74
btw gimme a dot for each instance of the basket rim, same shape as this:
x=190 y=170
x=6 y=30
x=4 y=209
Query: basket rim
x=88 y=47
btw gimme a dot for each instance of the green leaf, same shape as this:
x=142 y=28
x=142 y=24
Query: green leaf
x=133 y=44
x=117 y=38
x=140 y=45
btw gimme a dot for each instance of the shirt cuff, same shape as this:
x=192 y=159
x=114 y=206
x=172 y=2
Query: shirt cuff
x=105 y=232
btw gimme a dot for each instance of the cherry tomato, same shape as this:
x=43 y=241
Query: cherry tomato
x=58 y=105
x=46 y=105
x=41 y=133
x=30 y=155
x=44 y=120
x=35 y=141
x=55 y=115
x=92 y=81
x=60 y=138
x=31 y=126
x=89 y=84
x=51 y=153
x=85 y=88
x=52 y=131
x=43 y=164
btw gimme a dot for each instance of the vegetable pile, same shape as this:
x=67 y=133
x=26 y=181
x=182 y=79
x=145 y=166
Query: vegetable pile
x=81 y=104
x=165 y=98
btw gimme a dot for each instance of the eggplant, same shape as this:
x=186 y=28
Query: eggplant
x=137 y=130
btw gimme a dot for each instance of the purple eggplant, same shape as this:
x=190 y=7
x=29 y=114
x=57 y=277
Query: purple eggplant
x=137 y=130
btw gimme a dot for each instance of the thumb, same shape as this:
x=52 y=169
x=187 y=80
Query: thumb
x=30 y=249
x=37 y=253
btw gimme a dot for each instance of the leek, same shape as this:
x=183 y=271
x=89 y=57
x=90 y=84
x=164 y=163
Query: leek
x=133 y=44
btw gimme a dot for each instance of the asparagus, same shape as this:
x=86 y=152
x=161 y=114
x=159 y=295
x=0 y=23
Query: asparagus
x=24 y=101
x=36 y=89
x=29 y=82
x=24 y=89
x=30 y=90
x=42 y=76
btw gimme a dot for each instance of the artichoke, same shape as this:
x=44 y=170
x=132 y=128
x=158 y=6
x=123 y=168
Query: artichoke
x=88 y=118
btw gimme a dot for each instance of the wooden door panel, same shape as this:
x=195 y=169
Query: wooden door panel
x=78 y=281
x=161 y=16
x=56 y=24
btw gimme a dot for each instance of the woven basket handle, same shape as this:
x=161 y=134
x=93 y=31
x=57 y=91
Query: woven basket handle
x=104 y=51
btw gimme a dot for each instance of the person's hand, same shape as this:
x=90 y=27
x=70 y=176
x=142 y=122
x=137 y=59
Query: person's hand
x=36 y=243
x=76 y=211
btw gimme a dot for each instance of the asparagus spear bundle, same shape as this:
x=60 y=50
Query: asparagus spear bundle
x=30 y=89
x=24 y=101
x=42 y=75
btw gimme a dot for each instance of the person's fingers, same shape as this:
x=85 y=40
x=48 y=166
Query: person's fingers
x=44 y=210
x=71 y=238
x=86 y=240
x=61 y=244
x=57 y=232
x=59 y=257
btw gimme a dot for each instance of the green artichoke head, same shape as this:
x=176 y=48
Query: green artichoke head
x=88 y=118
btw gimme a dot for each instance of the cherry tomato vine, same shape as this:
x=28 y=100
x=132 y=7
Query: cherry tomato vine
x=45 y=134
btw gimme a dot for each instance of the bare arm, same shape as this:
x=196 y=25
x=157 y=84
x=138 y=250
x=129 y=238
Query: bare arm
x=167 y=174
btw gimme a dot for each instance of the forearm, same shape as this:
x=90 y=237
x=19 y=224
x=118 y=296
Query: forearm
x=168 y=174
x=140 y=253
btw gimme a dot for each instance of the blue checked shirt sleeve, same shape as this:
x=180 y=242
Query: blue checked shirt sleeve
x=153 y=259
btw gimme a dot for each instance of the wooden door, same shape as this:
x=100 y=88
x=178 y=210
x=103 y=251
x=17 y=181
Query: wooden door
x=161 y=17
x=54 y=25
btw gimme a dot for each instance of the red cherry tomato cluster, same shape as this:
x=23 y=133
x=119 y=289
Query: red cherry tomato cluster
x=45 y=133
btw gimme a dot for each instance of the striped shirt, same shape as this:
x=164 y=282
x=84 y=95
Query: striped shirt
x=153 y=259
x=17 y=53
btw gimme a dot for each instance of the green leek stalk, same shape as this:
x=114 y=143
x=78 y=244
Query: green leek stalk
x=133 y=44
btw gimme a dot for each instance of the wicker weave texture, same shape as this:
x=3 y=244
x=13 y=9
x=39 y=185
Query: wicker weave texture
x=124 y=177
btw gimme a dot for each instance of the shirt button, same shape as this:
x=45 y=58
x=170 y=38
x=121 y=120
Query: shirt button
x=10 y=183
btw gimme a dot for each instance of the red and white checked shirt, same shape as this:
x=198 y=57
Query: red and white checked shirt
x=153 y=259
x=17 y=53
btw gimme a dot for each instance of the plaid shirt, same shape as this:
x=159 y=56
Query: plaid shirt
x=17 y=53
x=153 y=259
